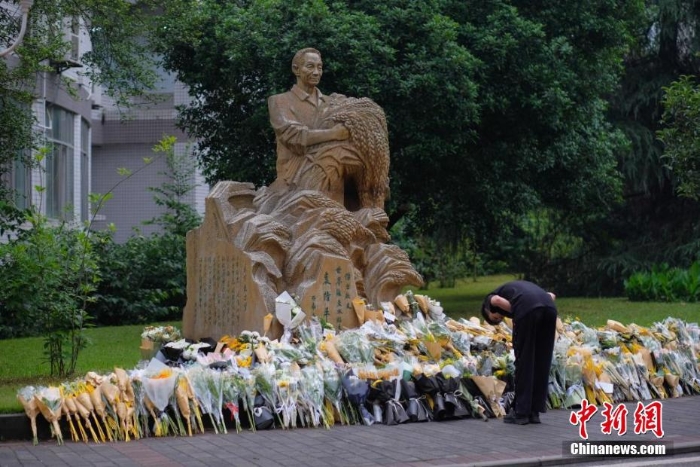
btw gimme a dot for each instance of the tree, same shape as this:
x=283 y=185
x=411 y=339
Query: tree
x=653 y=224
x=494 y=108
x=681 y=134
x=120 y=61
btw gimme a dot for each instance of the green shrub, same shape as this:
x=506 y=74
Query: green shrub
x=143 y=280
x=48 y=275
x=665 y=284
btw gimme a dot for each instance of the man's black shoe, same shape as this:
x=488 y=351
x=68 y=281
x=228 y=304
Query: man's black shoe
x=535 y=417
x=515 y=419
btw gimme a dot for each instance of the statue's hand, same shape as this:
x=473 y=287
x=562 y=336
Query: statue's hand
x=341 y=132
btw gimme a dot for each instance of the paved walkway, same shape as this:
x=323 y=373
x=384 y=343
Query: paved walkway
x=448 y=444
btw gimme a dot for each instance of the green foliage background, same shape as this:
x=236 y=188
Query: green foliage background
x=494 y=109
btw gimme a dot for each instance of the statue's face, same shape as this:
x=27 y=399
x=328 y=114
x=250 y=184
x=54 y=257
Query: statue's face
x=310 y=69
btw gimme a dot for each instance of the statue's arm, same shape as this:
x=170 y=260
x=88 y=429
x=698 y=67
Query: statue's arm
x=293 y=133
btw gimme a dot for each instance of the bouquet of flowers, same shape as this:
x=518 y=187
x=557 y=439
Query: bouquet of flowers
x=356 y=391
x=208 y=387
x=449 y=384
x=49 y=402
x=333 y=393
x=286 y=387
x=26 y=397
x=415 y=404
x=427 y=384
x=354 y=346
x=233 y=391
x=312 y=396
x=386 y=394
x=160 y=334
x=264 y=377
x=159 y=386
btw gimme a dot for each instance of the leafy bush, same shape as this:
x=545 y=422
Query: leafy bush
x=665 y=284
x=49 y=272
x=143 y=280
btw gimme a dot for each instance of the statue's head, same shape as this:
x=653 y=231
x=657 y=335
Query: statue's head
x=307 y=66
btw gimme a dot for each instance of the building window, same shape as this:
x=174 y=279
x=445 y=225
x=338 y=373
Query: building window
x=59 y=163
x=21 y=183
x=84 y=169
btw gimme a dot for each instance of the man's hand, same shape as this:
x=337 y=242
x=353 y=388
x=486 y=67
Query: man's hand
x=554 y=297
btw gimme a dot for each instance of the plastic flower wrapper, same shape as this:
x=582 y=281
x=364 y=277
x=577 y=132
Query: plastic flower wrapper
x=310 y=332
x=427 y=385
x=286 y=352
x=74 y=410
x=354 y=346
x=507 y=401
x=608 y=339
x=386 y=394
x=286 y=387
x=587 y=336
x=233 y=393
x=413 y=304
x=333 y=392
x=312 y=395
x=575 y=395
x=489 y=390
x=435 y=310
x=26 y=397
x=248 y=394
x=49 y=402
x=573 y=370
x=264 y=376
x=93 y=387
x=192 y=351
x=473 y=406
x=504 y=369
x=159 y=386
x=461 y=341
x=226 y=359
x=161 y=334
x=208 y=388
x=289 y=314
x=440 y=330
x=387 y=335
x=394 y=412
x=262 y=414
x=449 y=383
x=414 y=403
x=172 y=351
x=356 y=391
x=485 y=362
x=187 y=405
x=555 y=392
x=141 y=411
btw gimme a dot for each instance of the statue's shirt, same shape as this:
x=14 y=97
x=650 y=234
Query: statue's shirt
x=292 y=115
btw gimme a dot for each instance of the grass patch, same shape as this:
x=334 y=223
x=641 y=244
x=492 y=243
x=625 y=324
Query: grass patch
x=464 y=301
x=22 y=362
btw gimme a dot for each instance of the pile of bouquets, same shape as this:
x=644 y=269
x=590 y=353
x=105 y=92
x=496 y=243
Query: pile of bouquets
x=618 y=363
x=408 y=363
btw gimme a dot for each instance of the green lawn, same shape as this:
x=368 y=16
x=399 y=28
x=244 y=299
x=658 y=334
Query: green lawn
x=21 y=360
x=465 y=300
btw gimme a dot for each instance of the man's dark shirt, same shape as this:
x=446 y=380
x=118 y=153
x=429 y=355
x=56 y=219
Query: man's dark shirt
x=524 y=297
